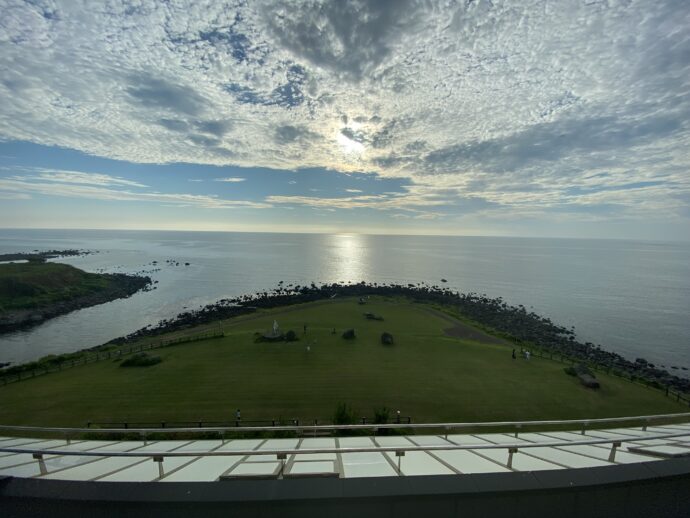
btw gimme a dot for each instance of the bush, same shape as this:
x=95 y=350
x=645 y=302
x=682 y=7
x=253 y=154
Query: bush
x=581 y=369
x=381 y=415
x=141 y=360
x=570 y=371
x=349 y=334
x=387 y=339
x=344 y=414
x=290 y=336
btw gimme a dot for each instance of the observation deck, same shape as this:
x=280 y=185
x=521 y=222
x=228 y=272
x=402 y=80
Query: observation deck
x=421 y=461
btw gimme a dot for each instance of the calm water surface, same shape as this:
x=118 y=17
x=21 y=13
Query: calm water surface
x=631 y=297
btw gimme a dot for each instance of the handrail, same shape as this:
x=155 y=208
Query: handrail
x=310 y=451
x=448 y=426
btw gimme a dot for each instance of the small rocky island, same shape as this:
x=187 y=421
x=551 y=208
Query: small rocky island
x=33 y=290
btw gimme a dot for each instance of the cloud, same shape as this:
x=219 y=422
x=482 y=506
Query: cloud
x=230 y=179
x=77 y=177
x=155 y=93
x=94 y=186
x=14 y=196
x=504 y=108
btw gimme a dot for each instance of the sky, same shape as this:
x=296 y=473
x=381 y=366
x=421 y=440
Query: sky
x=520 y=118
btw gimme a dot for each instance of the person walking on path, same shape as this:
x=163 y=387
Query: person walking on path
x=238 y=416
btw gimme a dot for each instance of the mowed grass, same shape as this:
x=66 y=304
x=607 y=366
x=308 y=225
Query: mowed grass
x=426 y=375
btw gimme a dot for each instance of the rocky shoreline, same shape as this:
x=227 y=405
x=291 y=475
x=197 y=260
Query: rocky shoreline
x=513 y=322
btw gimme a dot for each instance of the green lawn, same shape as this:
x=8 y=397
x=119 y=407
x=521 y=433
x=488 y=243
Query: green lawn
x=426 y=375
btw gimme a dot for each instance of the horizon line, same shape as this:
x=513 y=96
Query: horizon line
x=110 y=229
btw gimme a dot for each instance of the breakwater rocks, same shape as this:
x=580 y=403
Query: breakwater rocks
x=515 y=323
x=119 y=286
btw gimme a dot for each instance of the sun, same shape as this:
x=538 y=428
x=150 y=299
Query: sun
x=348 y=146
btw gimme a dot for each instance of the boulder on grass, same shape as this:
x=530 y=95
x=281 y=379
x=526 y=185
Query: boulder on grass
x=387 y=339
x=586 y=376
x=589 y=381
x=349 y=334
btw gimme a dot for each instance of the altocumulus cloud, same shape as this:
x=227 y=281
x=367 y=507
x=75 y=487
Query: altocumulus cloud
x=505 y=108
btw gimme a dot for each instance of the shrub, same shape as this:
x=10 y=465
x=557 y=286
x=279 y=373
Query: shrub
x=344 y=414
x=387 y=339
x=570 y=371
x=381 y=415
x=141 y=360
x=290 y=336
x=349 y=334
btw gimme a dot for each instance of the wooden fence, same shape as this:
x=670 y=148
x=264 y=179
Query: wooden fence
x=96 y=356
x=569 y=360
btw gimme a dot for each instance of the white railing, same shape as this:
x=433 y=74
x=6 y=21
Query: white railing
x=581 y=424
x=400 y=451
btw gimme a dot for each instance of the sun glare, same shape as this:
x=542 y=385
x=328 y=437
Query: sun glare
x=349 y=146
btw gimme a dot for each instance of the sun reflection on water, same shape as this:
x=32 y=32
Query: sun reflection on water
x=349 y=256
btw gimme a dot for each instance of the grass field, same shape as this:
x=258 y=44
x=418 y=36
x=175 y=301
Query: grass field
x=427 y=374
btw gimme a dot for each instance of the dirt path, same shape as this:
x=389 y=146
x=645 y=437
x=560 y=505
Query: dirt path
x=465 y=331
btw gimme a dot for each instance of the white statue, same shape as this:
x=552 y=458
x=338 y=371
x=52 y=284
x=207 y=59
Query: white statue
x=276 y=329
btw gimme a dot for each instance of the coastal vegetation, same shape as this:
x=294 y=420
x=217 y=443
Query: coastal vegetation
x=440 y=369
x=34 y=291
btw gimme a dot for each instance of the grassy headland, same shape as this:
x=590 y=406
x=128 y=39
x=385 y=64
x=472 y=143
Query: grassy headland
x=35 y=291
x=431 y=373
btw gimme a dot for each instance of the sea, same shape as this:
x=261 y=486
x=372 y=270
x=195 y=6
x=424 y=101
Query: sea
x=631 y=297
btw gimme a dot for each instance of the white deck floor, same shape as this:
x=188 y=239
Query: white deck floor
x=196 y=468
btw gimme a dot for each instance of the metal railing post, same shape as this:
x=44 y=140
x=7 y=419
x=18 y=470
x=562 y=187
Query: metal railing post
x=614 y=447
x=282 y=457
x=399 y=454
x=41 y=463
x=159 y=460
x=511 y=452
